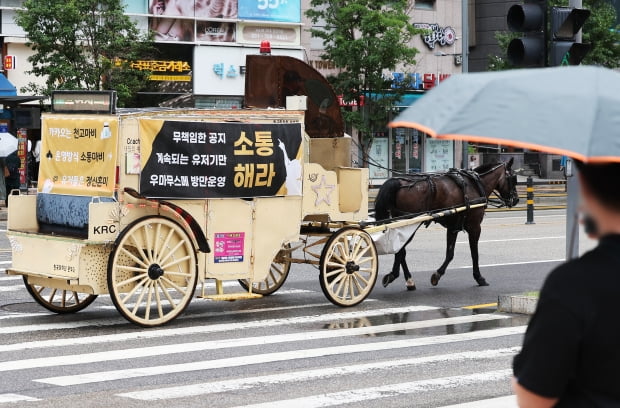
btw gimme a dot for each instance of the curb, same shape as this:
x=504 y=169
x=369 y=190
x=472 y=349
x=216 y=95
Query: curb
x=517 y=304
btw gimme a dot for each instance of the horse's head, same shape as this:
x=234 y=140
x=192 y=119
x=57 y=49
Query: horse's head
x=506 y=187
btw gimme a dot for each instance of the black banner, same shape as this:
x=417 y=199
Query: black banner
x=214 y=160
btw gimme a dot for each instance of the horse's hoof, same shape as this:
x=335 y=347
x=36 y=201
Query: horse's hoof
x=410 y=284
x=435 y=279
x=482 y=282
x=387 y=279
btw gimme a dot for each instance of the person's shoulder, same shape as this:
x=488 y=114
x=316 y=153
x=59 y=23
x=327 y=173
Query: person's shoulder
x=567 y=276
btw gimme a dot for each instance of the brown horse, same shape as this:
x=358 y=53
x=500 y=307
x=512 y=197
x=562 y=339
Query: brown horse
x=420 y=193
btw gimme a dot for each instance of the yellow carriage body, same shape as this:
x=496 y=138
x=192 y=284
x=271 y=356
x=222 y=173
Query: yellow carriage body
x=252 y=228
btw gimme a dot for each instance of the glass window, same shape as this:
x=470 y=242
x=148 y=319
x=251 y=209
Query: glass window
x=425 y=4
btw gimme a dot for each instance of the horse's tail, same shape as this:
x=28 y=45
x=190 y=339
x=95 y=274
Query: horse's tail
x=386 y=198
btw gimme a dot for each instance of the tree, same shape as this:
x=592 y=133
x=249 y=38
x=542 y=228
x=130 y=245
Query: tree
x=600 y=30
x=84 y=44
x=365 y=39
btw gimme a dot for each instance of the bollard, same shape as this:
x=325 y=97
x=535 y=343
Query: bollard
x=530 y=200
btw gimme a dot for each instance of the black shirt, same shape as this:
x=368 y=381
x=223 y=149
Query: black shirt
x=571 y=349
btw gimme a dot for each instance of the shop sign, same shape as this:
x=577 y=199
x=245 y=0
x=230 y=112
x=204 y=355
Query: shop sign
x=434 y=34
x=222 y=69
x=417 y=81
x=165 y=70
x=255 y=34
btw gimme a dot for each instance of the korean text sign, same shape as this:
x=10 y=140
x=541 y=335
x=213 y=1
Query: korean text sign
x=192 y=159
x=78 y=155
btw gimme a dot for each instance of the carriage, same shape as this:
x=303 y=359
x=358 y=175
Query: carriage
x=147 y=205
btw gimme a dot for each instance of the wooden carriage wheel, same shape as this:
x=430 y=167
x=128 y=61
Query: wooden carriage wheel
x=348 y=266
x=278 y=271
x=152 y=271
x=59 y=300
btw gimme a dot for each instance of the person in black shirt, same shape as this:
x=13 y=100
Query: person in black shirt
x=11 y=178
x=571 y=350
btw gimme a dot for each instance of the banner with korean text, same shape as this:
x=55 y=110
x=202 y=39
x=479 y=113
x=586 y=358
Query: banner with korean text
x=191 y=159
x=78 y=155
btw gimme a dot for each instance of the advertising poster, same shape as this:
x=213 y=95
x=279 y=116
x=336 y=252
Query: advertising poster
x=216 y=160
x=173 y=20
x=271 y=10
x=228 y=247
x=439 y=155
x=78 y=155
x=379 y=156
x=215 y=31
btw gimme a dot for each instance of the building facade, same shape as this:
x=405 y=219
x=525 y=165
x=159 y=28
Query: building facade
x=203 y=45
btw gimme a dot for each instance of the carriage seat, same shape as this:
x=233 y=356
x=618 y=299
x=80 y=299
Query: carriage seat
x=64 y=214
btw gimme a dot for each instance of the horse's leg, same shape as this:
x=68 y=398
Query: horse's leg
x=474 y=235
x=451 y=242
x=403 y=263
x=391 y=277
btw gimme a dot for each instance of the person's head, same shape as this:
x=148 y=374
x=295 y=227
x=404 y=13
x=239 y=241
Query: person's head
x=602 y=182
x=600 y=193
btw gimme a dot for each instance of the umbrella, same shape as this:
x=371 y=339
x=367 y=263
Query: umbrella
x=8 y=144
x=572 y=111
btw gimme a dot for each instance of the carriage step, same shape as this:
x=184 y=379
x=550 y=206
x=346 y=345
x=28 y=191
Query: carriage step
x=231 y=296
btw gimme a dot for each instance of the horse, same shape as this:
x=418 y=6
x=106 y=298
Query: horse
x=424 y=192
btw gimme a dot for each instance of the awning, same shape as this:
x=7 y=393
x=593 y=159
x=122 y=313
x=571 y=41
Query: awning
x=406 y=100
x=6 y=87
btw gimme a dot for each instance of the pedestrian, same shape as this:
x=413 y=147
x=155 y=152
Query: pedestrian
x=571 y=350
x=12 y=163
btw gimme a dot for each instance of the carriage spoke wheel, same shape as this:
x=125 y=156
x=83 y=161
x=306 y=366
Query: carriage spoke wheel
x=278 y=271
x=59 y=300
x=152 y=271
x=348 y=266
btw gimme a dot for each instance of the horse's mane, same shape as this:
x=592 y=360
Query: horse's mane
x=486 y=167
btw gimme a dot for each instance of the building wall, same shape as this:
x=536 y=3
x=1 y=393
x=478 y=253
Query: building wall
x=490 y=17
x=439 y=60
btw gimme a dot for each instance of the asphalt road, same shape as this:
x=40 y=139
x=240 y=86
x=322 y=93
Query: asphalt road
x=398 y=348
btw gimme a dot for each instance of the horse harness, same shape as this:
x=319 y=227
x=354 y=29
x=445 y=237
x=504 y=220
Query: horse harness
x=458 y=176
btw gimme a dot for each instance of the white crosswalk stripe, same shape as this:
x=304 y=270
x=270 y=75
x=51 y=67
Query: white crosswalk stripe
x=310 y=347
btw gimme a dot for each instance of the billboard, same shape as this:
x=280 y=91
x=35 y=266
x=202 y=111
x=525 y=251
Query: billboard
x=181 y=159
x=270 y=10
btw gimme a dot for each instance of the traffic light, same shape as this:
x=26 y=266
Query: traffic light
x=565 y=24
x=530 y=19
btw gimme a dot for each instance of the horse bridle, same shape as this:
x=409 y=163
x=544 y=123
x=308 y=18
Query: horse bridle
x=511 y=179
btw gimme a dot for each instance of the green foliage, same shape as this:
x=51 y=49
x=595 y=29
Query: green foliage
x=365 y=39
x=500 y=63
x=82 y=44
x=603 y=33
x=600 y=30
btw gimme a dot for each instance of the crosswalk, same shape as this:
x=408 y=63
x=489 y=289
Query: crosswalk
x=264 y=354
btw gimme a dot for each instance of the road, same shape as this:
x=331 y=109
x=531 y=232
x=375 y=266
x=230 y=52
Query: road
x=433 y=347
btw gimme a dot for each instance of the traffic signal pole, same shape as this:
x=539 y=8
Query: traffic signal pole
x=572 y=192
x=576 y=4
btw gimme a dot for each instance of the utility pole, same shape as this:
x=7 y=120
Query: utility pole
x=465 y=64
x=572 y=191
